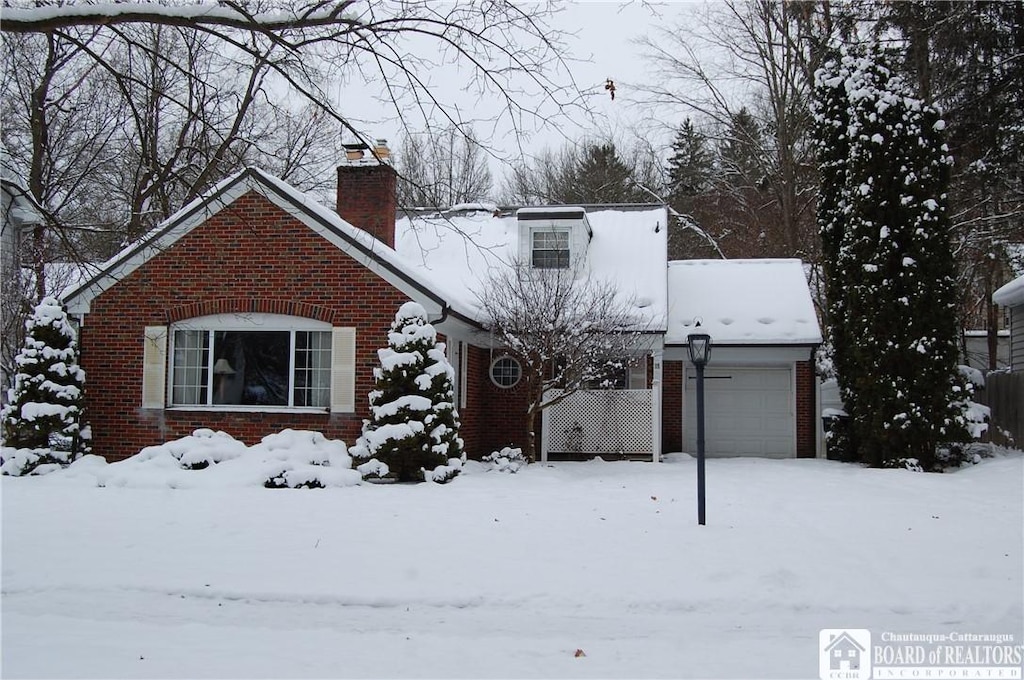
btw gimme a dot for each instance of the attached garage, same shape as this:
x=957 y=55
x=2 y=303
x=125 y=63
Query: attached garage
x=759 y=384
x=748 y=411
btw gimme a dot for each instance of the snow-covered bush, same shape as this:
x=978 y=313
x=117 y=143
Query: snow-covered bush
x=197 y=451
x=43 y=422
x=507 y=460
x=305 y=459
x=413 y=432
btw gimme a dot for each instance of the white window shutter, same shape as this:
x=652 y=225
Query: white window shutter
x=343 y=370
x=463 y=373
x=154 y=367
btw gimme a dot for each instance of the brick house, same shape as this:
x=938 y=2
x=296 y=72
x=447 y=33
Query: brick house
x=256 y=308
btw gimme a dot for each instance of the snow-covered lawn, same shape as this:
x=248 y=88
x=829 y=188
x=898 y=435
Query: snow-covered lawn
x=500 y=575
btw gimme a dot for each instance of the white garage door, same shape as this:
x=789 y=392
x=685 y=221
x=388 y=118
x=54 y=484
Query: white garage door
x=747 y=412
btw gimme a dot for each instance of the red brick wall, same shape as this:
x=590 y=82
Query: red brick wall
x=366 y=199
x=495 y=417
x=806 y=415
x=671 y=406
x=251 y=256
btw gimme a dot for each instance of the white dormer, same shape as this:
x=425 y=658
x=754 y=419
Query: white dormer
x=553 y=237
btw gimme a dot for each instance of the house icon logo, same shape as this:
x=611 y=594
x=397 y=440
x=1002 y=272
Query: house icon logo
x=844 y=654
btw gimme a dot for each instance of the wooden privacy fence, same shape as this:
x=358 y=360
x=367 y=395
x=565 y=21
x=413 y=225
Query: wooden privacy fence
x=1004 y=394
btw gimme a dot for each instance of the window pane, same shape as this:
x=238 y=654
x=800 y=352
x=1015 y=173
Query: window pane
x=505 y=372
x=251 y=367
x=191 y=365
x=551 y=249
x=313 y=368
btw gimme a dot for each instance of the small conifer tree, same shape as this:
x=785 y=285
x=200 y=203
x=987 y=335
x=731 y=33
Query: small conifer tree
x=414 y=427
x=45 y=409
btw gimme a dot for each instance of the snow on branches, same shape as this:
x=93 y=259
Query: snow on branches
x=888 y=263
x=568 y=331
x=413 y=432
x=42 y=422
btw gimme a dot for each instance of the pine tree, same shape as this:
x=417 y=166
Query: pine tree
x=741 y=150
x=414 y=427
x=45 y=409
x=603 y=177
x=889 y=265
x=691 y=165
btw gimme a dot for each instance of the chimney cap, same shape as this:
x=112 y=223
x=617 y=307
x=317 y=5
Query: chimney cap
x=362 y=154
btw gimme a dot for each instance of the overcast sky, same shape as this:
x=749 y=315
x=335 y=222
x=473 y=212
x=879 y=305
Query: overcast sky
x=602 y=46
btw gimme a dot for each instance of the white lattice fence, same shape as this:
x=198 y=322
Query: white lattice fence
x=601 y=421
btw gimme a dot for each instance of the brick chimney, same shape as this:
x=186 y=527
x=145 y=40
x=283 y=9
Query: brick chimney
x=366 y=190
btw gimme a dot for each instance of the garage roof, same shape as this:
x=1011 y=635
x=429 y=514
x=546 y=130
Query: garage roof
x=741 y=302
x=1011 y=294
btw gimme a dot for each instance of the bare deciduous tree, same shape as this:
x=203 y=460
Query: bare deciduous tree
x=118 y=113
x=442 y=169
x=759 y=56
x=567 y=331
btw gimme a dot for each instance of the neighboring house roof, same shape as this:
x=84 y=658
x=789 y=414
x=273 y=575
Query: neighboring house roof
x=741 y=302
x=24 y=210
x=461 y=249
x=1011 y=294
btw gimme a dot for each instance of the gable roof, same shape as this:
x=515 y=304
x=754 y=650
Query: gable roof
x=358 y=244
x=462 y=248
x=741 y=302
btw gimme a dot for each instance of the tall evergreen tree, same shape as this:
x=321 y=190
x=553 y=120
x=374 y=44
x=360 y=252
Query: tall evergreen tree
x=885 y=233
x=45 y=412
x=414 y=427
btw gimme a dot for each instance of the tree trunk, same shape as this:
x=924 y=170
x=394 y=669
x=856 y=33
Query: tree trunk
x=531 y=448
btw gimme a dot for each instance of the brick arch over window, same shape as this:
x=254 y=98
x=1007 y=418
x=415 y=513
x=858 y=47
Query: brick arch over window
x=242 y=305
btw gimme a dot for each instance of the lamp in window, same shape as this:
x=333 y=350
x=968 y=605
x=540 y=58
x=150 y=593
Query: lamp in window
x=221 y=371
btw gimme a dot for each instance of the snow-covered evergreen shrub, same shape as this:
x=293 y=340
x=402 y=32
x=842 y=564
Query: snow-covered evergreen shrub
x=507 y=460
x=413 y=432
x=44 y=415
x=304 y=459
x=888 y=262
x=197 y=451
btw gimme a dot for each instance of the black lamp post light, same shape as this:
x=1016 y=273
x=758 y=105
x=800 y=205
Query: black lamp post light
x=699 y=345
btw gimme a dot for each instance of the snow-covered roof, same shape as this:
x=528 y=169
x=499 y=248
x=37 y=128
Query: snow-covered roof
x=23 y=209
x=461 y=250
x=1011 y=294
x=440 y=259
x=360 y=245
x=741 y=302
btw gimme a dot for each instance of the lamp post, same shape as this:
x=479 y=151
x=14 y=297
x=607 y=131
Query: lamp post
x=699 y=345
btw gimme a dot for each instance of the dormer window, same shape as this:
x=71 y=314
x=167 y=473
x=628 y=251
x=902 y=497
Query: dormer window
x=550 y=249
x=553 y=237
